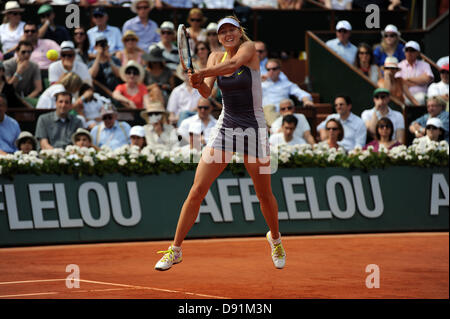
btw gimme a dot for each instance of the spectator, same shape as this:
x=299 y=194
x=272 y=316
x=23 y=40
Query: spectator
x=112 y=34
x=286 y=135
x=196 y=20
x=381 y=98
x=338 y=4
x=142 y=25
x=170 y=50
x=435 y=109
x=335 y=135
x=390 y=45
x=434 y=131
x=82 y=138
x=384 y=133
x=131 y=50
x=201 y=54
x=8 y=91
x=111 y=132
x=203 y=120
x=261 y=49
x=158 y=77
x=55 y=129
x=11 y=30
x=183 y=100
x=89 y=105
x=212 y=39
x=132 y=93
x=71 y=83
x=175 y=3
x=40 y=47
x=9 y=129
x=23 y=74
x=365 y=62
x=67 y=64
x=81 y=41
x=105 y=68
x=395 y=85
x=48 y=29
x=355 y=131
x=158 y=134
x=415 y=73
x=342 y=45
x=440 y=88
x=26 y=142
x=275 y=89
x=302 y=131
x=290 y=4
x=260 y=4
x=137 y=136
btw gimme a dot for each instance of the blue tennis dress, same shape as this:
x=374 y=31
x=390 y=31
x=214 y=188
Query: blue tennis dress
x=241 y=126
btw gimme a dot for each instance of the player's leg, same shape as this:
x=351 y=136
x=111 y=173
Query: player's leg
x=269 y=206
x=207 y=171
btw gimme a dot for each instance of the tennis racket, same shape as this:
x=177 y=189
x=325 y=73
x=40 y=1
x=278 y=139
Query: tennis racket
x=184 y=49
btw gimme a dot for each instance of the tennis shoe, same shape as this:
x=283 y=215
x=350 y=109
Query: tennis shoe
x=171 y=257
x=278 y=253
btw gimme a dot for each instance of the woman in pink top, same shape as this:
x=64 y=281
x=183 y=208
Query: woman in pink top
x=133 y=93
x=384 y=135
x=131 y=50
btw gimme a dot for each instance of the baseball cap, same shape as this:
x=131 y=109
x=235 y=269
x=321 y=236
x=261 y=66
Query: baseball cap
x=381 y=90
x=444 y=67
x=435 y=122
x=44 y=9
x=137 y=130
x=392 y=29
x=412 y=44
x=108 y=109
x=99 y=11
x=67 y=46
x=212 y=27
x=167 y=25
x=344 y=24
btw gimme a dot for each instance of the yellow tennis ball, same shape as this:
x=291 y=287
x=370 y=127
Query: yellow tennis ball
x=52 y=55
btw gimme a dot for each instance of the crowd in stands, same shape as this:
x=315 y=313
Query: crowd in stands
x=136 y=66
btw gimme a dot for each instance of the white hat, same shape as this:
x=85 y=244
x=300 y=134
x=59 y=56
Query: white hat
x=228 y=21
x=212 y=27
x=137 y=130
x=391 y=29
x=435 y=122
x=344 y=24
x=412 y=44
x=391 y=62
x=12 y=6
x=135 y=2
x=67 y=46
x=167 y=25
x=81 y=131
x=132 y=63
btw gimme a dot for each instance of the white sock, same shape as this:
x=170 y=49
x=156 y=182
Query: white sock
x=276 y=241
x=176 y=248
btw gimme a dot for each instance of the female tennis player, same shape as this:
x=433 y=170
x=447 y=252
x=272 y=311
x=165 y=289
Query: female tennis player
x=240 y=128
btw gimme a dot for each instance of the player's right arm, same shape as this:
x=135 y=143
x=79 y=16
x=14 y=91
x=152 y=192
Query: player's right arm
x=207 y=84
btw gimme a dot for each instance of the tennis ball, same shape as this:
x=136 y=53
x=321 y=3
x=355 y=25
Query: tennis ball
x=52 y=55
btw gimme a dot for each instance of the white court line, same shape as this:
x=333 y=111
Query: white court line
x=124 y=286
x=32 y=294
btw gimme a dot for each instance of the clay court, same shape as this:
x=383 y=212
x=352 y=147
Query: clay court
x=411 y=265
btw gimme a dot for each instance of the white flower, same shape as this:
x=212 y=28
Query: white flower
x=122 y=162
x=62 y=161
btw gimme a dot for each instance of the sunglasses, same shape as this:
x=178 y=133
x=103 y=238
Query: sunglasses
x=44 y=15
x=30 y=31
x=390 y=35
x=203 y=107
x=286 y=108
x=443 y=71
x=383 y=96
x=107 y=117
x=97 y=16
x=67 y=55
x=195 y=20
x=332 y=128
x=211 y=34
x=166 y=32
x=383 y=126
x=79 y=33
x=14 y=13
x=363 y=53
x=431 y=127
x=142 y=7
x=132 y=72
x=273 y=69
x=25 y=52
x=410 y=50
x=342 y=31
x=260 y=51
